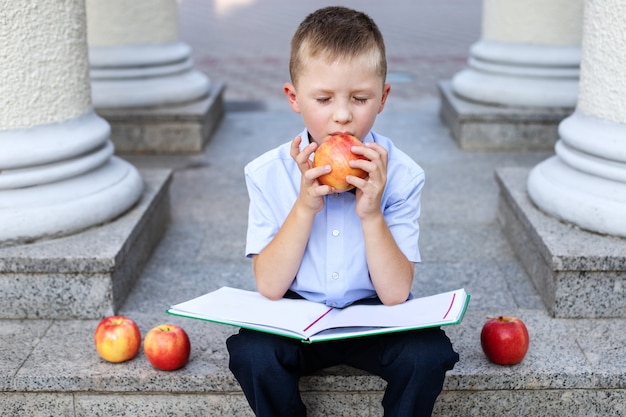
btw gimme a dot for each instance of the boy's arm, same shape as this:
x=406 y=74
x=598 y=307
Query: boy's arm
x=390 y=270
x=275 y=267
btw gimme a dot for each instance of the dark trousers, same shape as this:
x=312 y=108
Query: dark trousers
x=414 y=364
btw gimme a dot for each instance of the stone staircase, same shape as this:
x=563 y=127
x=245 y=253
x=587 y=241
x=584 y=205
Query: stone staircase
x=49 y=366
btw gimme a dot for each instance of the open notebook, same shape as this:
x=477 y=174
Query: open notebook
x=312 y=322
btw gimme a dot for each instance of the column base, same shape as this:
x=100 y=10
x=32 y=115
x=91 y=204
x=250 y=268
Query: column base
x=481 y=127
x=591 y=202
x=89 y=274
x=578 y=274
x=180 y=128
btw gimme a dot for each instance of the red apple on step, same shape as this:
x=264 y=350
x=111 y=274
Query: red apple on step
x=167 y=347
x=504 y=340
x=117 y=339
x=336 y=152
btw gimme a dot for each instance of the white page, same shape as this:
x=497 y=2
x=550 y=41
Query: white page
x=412 y=313
x=233 y=305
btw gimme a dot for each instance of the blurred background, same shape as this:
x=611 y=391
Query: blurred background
x=245 y=43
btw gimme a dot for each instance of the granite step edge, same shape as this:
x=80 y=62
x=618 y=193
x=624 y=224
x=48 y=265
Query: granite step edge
x=62 y=358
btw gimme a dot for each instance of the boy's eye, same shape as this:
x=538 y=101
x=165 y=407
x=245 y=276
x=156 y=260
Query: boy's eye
x=322 y=99
x=360 y=99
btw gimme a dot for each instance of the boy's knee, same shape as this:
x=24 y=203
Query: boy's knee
x=428 y=349
x=438 y=351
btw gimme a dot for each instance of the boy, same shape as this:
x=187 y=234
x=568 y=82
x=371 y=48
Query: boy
x=306 y=240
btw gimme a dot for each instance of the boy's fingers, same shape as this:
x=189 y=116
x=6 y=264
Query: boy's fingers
x=302 y=157
x=314 y=173
x=371 y=151
x=295 y=147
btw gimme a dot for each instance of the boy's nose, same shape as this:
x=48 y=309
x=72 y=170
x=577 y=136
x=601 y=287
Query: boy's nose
x=342 y=114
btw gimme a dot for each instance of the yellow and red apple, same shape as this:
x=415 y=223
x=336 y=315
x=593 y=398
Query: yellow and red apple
x=336 y=151
x=504 y=340
x=167 y=347
x=117 y=339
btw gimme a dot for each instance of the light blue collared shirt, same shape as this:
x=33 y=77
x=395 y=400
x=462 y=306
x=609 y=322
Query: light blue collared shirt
x=334 y=268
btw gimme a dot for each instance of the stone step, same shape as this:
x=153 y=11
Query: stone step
x=167 y=129
x=578 y=274
x=50 y=368
x=88 y=274
x=479 y=127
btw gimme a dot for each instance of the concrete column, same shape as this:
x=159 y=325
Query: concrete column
x=528 y=55
x=521 y=79
x=136 y=57
x=143 y=80
x=57 y=172
x=585 y=182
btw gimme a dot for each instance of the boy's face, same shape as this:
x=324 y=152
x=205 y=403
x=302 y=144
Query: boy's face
x=338 y=97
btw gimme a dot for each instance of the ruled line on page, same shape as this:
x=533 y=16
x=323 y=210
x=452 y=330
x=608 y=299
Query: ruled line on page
x=451 y=304
x=317 y=319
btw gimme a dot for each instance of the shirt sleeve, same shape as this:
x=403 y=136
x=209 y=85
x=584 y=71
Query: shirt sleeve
x=262 y=226
x=402 y=214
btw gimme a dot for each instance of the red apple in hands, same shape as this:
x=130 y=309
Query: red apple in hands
x=336 y=152
x=167 y=347
x=117 y=339
x=504 y=340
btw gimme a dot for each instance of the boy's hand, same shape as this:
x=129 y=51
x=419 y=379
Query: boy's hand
x=369 y=189
x=311 y=191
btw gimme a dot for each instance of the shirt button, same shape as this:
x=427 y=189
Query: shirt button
x=333 y=304
x=335 y=195
x=335 y=232
x=335 y=275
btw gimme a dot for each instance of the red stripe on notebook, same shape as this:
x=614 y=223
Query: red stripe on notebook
x=317 y=319
x=451 y=304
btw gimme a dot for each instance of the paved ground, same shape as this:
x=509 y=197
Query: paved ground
x=246 y=42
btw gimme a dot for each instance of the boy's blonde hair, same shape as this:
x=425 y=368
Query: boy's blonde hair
x=337 y=33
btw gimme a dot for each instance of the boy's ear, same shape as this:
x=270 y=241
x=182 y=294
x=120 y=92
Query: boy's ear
x=290 y=92
x=386 y=90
